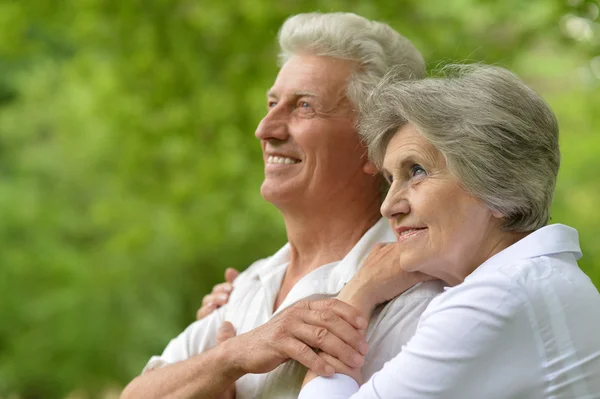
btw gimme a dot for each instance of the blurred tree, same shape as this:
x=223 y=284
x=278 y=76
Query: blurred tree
x=130 y=174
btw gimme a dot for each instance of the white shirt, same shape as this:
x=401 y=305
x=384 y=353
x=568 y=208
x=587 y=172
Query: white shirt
x=524 y=324
x=251 y=305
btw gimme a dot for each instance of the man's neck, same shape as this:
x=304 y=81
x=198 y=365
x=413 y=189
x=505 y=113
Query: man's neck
x=323 y=236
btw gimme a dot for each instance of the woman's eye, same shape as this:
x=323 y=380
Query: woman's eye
x=417 y=170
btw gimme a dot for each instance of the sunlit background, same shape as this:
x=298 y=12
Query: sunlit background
x=129 y=171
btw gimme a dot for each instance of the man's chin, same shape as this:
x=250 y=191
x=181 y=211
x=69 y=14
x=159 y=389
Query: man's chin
x=279 y=194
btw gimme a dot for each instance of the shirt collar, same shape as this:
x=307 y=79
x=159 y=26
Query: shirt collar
x=328 y=279
x=549 y=240
x=347 y=267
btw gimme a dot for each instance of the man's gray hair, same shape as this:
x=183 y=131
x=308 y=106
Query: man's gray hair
x=499 y=137
x=375 y=46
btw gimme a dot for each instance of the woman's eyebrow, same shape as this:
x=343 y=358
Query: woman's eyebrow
x=404 y=161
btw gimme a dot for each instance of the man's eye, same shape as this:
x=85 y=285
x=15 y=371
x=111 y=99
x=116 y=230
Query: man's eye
x=303 y=104
x=271 y=104
x=417 y=170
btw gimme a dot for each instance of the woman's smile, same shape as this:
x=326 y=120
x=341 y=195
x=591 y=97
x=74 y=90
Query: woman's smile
x=405 y=233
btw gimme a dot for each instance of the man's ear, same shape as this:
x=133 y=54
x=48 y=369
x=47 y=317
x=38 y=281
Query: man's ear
x=370 y=168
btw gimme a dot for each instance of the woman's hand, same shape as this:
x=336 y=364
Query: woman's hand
x=340 y=368
x=379 y=279
x=219 y=295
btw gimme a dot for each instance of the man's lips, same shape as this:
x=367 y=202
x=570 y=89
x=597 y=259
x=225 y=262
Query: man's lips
x=281 y=160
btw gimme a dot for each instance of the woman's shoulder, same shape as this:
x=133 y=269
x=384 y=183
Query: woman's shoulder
x=525 y=284
x=558 y=274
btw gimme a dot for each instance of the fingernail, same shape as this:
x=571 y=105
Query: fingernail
x=358 y=360
x=363 y=348
x=361 y=322
x=329 y=370
x=222 y=297
x=210 y=304
x=227 y=288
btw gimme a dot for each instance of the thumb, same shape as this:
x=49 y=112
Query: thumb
x=231 y=274
x=225 y=332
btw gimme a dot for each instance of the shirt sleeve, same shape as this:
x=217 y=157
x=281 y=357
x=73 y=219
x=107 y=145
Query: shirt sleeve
x=461 y=337
x=197 y=338
x=338 y=386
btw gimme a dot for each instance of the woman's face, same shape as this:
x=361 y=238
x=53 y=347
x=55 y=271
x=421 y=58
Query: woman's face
x=441 y=229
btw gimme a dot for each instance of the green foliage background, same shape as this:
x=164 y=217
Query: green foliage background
x=129 y=171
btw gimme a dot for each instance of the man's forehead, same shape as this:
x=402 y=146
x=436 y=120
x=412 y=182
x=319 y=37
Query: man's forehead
x=311 y=75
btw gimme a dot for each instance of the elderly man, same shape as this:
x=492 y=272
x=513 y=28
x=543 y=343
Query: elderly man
x=317 y=175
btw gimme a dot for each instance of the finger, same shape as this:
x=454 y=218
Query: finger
x=208 y=299
x=221 y=299
x=338 y=327
x=342 y=309
x=225 y=332
x=321 y=338
x=222 y=288
x=379 y=245
x=382 y=250
x=205 y=311
x=303 y=354
x=231 y=274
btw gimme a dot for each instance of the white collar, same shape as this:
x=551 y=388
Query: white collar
x=549 y=240
x=328 y=279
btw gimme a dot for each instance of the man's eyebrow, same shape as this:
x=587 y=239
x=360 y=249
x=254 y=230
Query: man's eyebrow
x=304 y=94
x=273 y=94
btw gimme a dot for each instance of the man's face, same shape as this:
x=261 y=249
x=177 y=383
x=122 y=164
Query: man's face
x=310 y=145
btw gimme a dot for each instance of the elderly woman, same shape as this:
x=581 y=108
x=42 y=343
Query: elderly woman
x=472 y=162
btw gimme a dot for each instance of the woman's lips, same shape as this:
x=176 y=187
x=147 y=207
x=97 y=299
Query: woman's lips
x=405 y=233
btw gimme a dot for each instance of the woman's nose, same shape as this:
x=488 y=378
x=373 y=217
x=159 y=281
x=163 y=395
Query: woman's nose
x=395 y=204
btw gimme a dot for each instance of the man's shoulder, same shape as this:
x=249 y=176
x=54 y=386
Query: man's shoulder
x=426 y=290
x=252 y=271
x=394 y=324
x=267 y=264
x=408 y=307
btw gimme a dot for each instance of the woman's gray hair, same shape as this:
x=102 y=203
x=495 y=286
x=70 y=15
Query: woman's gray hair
x=375 y=46
x=499 y=137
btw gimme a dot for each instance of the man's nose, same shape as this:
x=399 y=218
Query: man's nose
x=273 y=126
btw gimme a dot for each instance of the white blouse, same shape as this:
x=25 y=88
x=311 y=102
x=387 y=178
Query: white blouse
x=524 y=324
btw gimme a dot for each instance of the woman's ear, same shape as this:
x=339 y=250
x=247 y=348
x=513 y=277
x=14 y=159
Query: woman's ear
x=370 y=168
x=497 y=214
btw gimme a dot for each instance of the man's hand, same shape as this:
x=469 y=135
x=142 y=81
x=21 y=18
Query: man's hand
x=329 y=325
x=219 y=295
x=380 y=279
x=225 y=332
